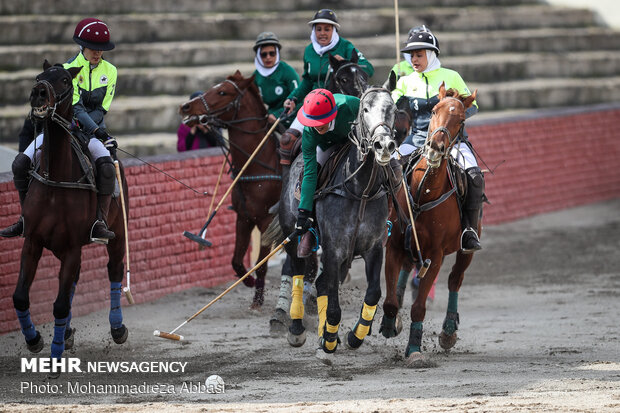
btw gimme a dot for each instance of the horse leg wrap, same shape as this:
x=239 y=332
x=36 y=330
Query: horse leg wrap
x=285 y=293
x=453 y=299
x=415 y=338
x=330 y=338
x=403 y=276
x=116 y=314
x=58 y=342
x=297 y=303
x=450 y=323
x=321 y=303
x=287 y=142
x=362 y=329
x=28 y=330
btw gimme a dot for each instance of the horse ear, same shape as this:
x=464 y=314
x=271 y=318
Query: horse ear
x=332 y=60
x=469 y=100
x=46 y=65
x=442 y=90
x=237 y=74
x=73 y=71
x=392 y=81
x=354 y=56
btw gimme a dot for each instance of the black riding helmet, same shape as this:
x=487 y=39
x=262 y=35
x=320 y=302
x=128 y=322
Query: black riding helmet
x=325 y=16
x=267 y=38
x=421 y=38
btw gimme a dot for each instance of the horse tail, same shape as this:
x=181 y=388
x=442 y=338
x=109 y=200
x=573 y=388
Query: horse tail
x=273 y=235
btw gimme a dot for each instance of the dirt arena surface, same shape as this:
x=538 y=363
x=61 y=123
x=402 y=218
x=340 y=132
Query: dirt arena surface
x=539 y=332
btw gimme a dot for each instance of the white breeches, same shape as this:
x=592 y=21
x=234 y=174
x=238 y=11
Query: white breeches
x=95 y=147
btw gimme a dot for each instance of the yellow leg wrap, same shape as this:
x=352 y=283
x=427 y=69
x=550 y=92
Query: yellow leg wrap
x=297 y=303
x=368 y=313
x=330 y=345
x=321 y=303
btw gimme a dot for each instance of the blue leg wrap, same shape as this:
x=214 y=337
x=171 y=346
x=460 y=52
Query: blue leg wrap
x=453 y=299
x=58 y=342
x=70 y=304
x=116 y=314
x=26 y=323
x=403 y=276
x=415 y=338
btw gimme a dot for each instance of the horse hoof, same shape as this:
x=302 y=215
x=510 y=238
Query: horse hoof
x=296 y=340
x=416 y=360
x=249 y=281
x=326 y=358
x=69 y=338
x=279 y=323
x=352 y=342
x=255 y=306
x=391 y=327
x=447 y=341
x=36 y=344
x=119 y=335
x=54 y=375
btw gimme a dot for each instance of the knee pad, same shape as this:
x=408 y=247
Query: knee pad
x=287 y=142
x=476 y=178
x=21 y=166
x=105 y=175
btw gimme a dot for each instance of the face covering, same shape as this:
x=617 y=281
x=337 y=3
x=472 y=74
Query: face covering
x=258 y=63
x=320 y=50
x=432 y=59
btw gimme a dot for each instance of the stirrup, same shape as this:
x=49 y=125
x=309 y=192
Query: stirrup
x=14 y=230
x=477 y=245
x=103 y=239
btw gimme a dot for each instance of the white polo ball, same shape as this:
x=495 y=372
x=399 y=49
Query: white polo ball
x=214 y=381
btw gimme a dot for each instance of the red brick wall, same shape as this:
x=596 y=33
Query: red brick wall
x=551 y=163
x=162 y=259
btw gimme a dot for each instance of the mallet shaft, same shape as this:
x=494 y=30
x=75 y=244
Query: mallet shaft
x=127 y=289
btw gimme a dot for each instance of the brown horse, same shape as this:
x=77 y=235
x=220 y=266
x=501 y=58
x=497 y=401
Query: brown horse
x=236 y=104
x=437 y=224
x=59 y=210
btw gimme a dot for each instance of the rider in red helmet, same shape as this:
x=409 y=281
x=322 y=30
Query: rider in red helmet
x=327 y=119
x=93 y=91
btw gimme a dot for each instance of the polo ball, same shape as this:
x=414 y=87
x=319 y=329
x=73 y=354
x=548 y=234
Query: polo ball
x=214 y=381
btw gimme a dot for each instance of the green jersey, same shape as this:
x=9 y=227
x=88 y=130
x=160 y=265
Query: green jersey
x=316 y=68
x=275 y=88
x=348 y=106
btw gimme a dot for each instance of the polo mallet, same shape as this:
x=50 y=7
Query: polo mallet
x=203 y=235
x=126 y=290
x=198 y=237
x=427 y=262
x=172 y=336
x=397 y=29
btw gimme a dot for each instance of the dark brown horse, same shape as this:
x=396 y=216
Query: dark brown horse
x=437 y=224
x=58 y=211
x=236 y=104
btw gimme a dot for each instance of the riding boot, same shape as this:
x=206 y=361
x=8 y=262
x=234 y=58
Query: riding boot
x=287 y=142
x=21 y=179
x=105 y=185
x=471 y=211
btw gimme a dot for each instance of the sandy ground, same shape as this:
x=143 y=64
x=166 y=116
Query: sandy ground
x=539 y=332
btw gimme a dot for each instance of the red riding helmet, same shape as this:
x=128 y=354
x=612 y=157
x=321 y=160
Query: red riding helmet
x=319 y=108
x=93 y=34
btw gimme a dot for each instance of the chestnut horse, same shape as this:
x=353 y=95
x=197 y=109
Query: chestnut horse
x=437 y=224
x=236 y=104
x=59 y=210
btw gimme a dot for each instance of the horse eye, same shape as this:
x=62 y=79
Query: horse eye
x=222 y=93
x=345 y=80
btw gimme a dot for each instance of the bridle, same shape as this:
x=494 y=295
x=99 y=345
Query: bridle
x=367 y=133
x=50 y=110
x=212 y=117
x=443 y=129
x=357 y=82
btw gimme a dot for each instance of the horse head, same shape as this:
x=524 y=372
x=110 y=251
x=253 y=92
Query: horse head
x=375 y=124
x=53 y=92
x=347 y=77
x=220 y=103
x=446 y=125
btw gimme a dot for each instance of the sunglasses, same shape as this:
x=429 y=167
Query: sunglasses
x=265 y=54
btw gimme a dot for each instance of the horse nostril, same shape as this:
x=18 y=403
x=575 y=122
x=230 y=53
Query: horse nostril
x=378 y=147
x=392 y=146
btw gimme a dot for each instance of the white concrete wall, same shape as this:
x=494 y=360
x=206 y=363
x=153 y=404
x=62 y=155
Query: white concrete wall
x=6 y=158
x=607 y=10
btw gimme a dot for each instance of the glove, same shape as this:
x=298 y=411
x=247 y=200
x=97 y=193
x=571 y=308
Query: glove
x=110 y=143
x=304 y=221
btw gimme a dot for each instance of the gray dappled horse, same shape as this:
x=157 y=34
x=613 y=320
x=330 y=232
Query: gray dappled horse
x=351 y=216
